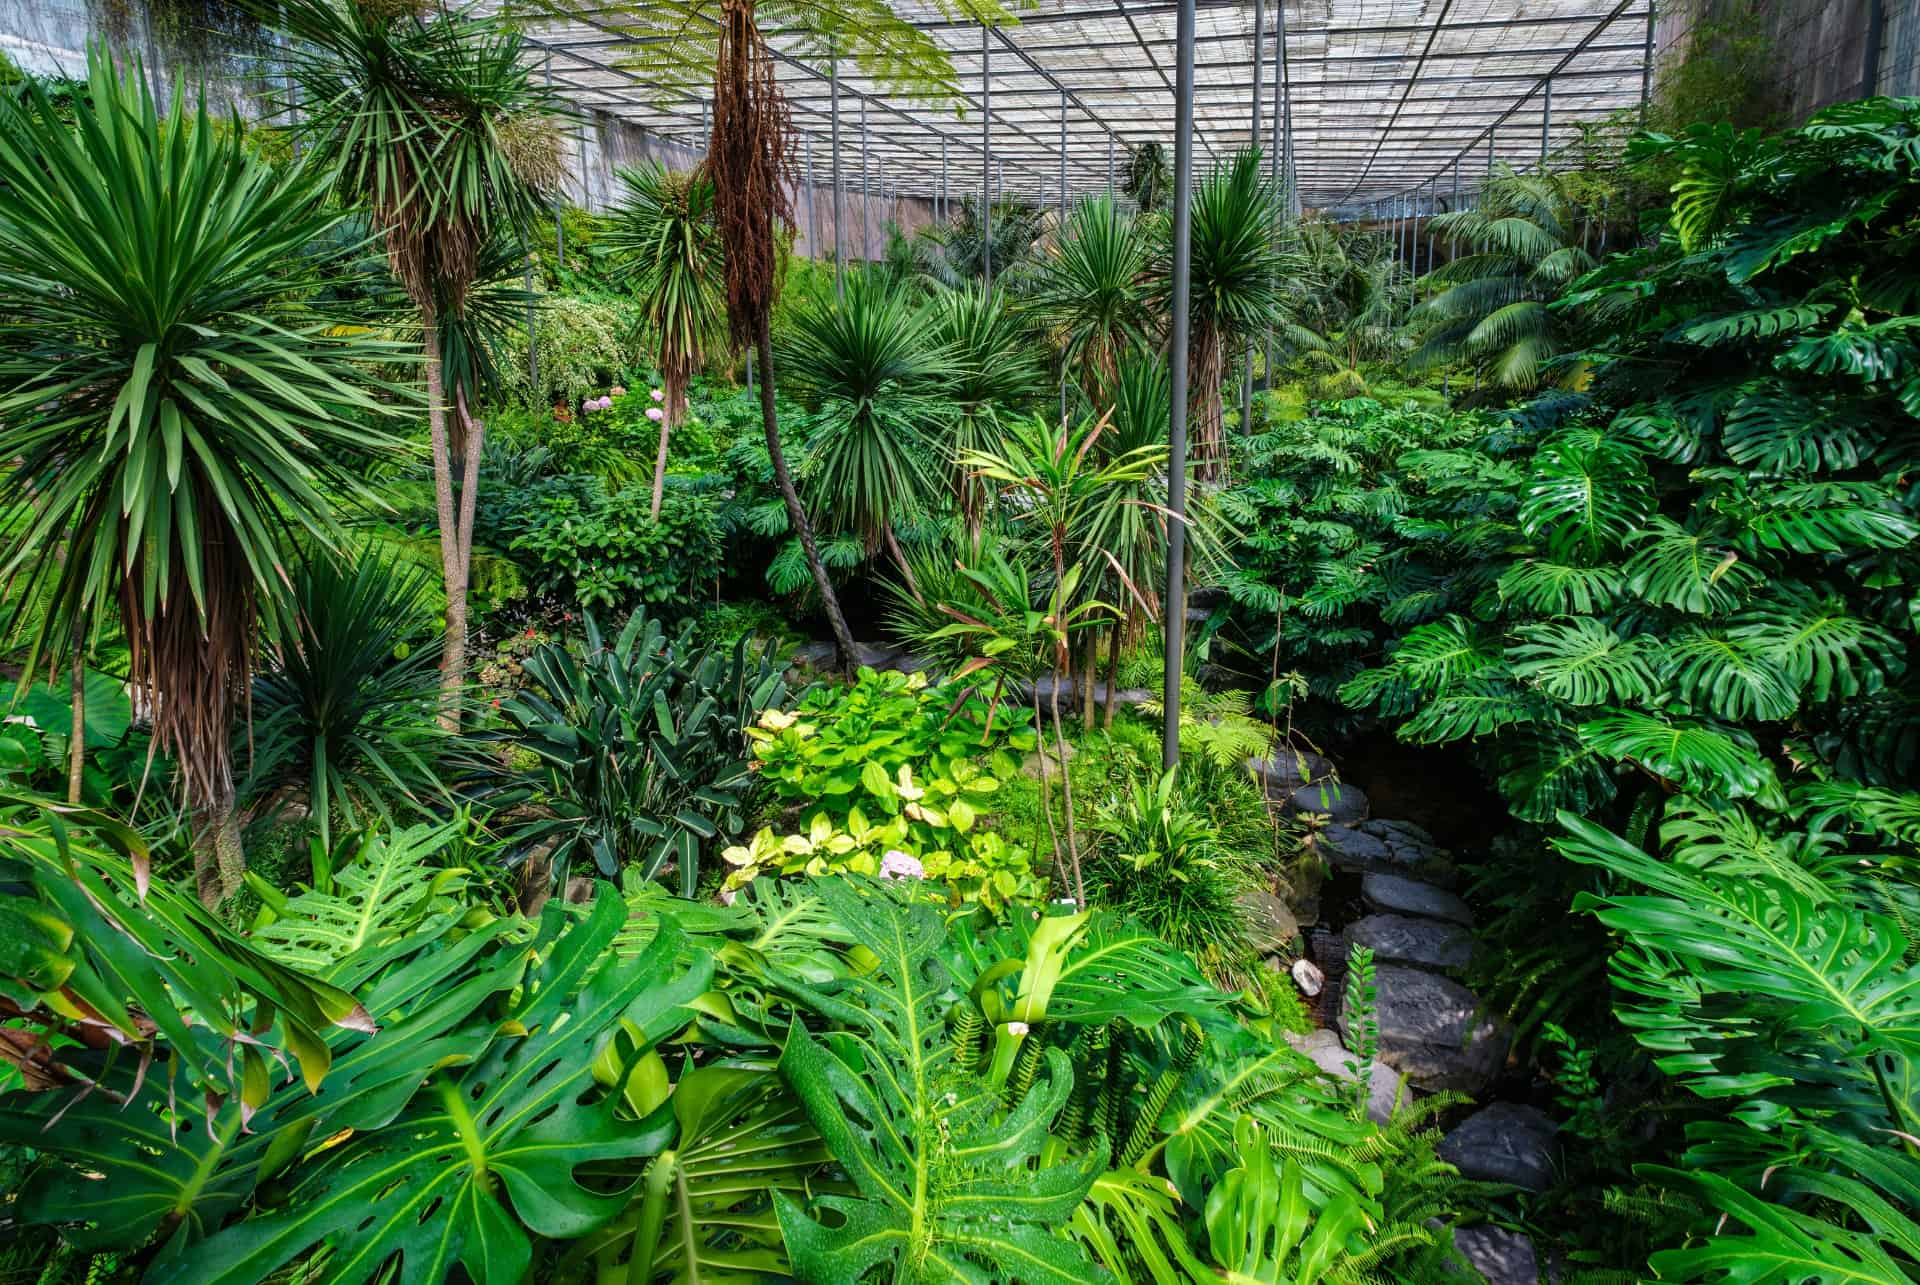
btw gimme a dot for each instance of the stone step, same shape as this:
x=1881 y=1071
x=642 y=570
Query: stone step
x=1404 y=939
x=1337 y=801
x=1286 y=770
x=1504 y=1142
x=1358 y=849
x=1387 y=1095
x=1396 y=894
x=1503 y=1257
x=1430 y=1028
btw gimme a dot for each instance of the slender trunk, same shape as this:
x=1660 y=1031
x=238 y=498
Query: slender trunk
x=1207 y=352
x=453 y=654
x=900 y=560
x=1091 y=675
x=1113 y=671
x=667 y=414
x=1062 y=660
x=782 y=478
x=77 y=741
x=1046 y=787
x=219 y=862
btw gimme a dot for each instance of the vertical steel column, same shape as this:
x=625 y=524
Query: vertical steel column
x=1253 y=140
x=839 y=200
x=1490 y=133
x=986 y=156
x=940 y=206
x=1109 y=165
x=559 y=232
x=1063 y=162
x=813 y=213
x=1176 y=595
x=1283 y=88
x=1546 y=121
x=533 y=336
x=706 y=130
x=1870 y=56
x=866 y=189
x=1646 y=64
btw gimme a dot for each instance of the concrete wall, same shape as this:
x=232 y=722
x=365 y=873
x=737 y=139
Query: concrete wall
x=1820 y=47
x=50 y=37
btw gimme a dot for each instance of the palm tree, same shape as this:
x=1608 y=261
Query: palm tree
x=871 y=363
x=1091 y=291
x=1349 y=290
x=1237 y=282
x=996 y=369
x=665 y=231
x=1526 y=239
x=177 y=410
x=435 y=122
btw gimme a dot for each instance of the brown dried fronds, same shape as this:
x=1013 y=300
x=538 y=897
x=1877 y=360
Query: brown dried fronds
x=747 y=157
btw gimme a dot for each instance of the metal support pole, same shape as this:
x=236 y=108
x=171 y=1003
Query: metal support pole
x=1490 y=133
x=1253 y=140
x=940 y=210
x=1109 y=165
x=1646 y=64
x=866 y=189
x=1546 y=120
x=1063 y=168
x=1283 y=86
x=559 y=231
x=1176 y=595
x=706 y=130
x=813 y=214
x=839 y=199
x=1870 y=57
x=533 y=338
x=986 y=155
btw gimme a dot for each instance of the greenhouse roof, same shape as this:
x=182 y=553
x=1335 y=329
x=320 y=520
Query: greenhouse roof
x=1386 y=97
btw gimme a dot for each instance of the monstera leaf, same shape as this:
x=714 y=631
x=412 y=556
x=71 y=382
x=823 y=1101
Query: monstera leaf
x=1759 y=1241
x=947 y=1185
x=1263 y=1230
x=489 y=1146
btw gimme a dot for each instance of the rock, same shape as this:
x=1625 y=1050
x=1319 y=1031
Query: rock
x=1318 y=1037
x=1398 y=832
x=1070 y=694
x=1308 y=977
x=1404 y=939
x=1271 y=927
x=814 y=655
x=1402 y=896
x=1385 y=1092
x=1503 y=1257
x=1207 y=595
x=1331 y=799
x=1429 y=1029
x=1355 y=851
x=1286 y=770
x=1359 y=849
x=1504 y=1142
x=1050 y=750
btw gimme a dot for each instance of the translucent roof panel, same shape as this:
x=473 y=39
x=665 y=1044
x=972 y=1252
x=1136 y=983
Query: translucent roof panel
x=1383 y=97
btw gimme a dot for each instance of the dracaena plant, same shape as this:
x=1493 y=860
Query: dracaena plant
x=630 y=752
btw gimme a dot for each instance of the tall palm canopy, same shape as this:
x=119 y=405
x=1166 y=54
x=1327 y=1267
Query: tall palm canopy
x=180 y=407
x=1237 y=284
x=1092 y=291
x=435 y=122
x=664 y=232
x=1525 y=241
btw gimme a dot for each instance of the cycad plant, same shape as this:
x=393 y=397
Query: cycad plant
x=1091 y=292
x=433 y=120
x=175 y=410
x=664 y=231
x=869 y=362
x=1525 y=242
x=1238 y=285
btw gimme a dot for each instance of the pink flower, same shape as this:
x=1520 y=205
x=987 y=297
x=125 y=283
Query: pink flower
x=657 y=395
x=655 y=414
x=898 y=865
x=619 y=391
x=726 y=896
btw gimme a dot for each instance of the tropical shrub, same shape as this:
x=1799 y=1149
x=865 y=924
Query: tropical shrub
x=591 y=549
x=344 y=706
x=630 y=752
x=1766 y=962
x=582 y=344
x=890 y=764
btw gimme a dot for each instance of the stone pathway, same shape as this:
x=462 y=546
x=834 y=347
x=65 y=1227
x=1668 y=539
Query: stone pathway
x=1430 y=1035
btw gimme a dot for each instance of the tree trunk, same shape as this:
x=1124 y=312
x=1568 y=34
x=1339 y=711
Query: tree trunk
x=219 y=862
x=667 y=413
x=77 y=742
x=1113 y=671
x=453 y=657
x=782 y=478
x=1207 y=352
x=1091 y=665
x=1062 y=665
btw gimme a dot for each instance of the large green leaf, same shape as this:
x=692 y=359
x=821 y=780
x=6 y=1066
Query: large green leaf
x=490 y=1144
x=1776 y=1244
x=947 y=1184
x=1694 y=756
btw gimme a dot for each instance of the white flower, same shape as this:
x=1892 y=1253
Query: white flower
x=1017 y=1028
x=899 y=865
